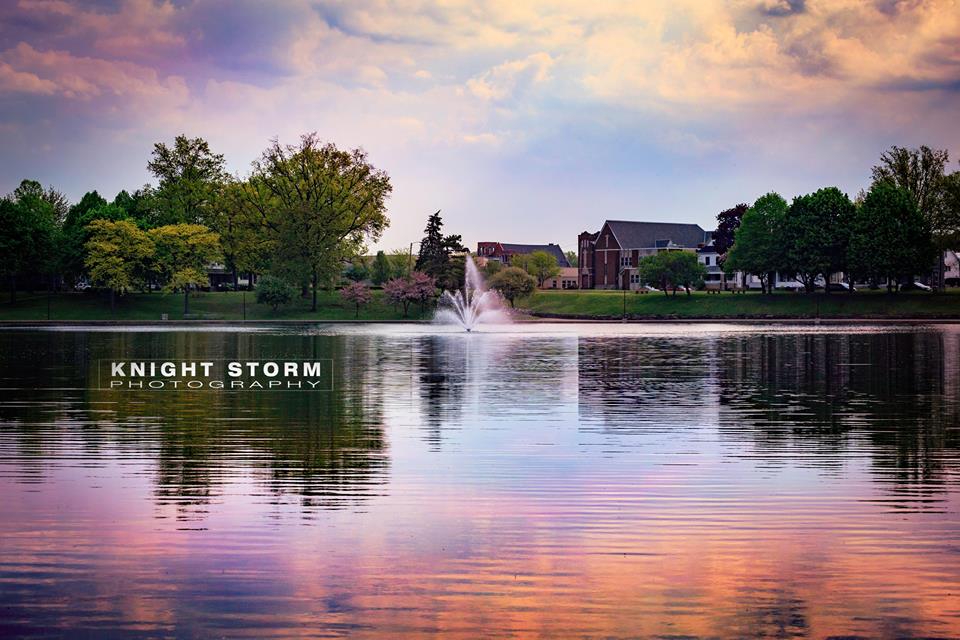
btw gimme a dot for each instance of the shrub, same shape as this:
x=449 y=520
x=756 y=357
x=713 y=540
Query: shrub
x=274 y=291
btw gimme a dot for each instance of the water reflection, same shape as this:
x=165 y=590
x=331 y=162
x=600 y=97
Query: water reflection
x=591 y=482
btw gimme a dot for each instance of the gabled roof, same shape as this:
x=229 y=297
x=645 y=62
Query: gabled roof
x=552 y=249
x=648 y=235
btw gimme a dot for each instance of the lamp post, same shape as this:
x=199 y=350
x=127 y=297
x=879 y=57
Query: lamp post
x=244 y=304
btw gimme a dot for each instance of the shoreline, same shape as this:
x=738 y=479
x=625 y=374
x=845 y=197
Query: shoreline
x=539 y=319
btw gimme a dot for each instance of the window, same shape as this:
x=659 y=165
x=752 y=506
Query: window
x=634 y=278
x=706 y=260
x=625 y=261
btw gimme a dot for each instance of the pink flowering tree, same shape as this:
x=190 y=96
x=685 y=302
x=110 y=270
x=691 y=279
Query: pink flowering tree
x=358 y=293
x=419 y=287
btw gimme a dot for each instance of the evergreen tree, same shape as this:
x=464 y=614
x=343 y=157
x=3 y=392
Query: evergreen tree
x=433 y=256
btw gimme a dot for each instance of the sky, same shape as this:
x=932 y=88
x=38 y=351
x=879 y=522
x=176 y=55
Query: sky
x=522 y=121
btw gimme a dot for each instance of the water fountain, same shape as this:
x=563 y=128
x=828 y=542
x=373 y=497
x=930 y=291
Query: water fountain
x=473 y=305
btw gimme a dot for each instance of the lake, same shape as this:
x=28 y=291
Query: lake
x=543 y=480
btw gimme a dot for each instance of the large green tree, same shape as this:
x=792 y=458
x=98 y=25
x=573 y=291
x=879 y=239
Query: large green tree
x=320 y=204
x=117 y=253
x=815 y=234
x=513 y=283
x=672 y=270
x=435 y=254
x=757 y=246
x=922 y=173
x=182 y=253
x=889 y=237
x=542 y=266
x=190 y=179
x=76 y=233
x=381 y=270
x=28 y=231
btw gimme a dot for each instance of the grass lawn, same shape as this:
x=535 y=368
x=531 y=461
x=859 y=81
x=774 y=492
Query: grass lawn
x=867 y=304
x=203 y=306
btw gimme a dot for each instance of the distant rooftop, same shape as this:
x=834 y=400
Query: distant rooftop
x=647 y=235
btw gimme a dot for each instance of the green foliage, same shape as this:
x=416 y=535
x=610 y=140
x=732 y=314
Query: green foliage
x=492 y=267
x=182 y=253
x=76 y=232
x=401 y=263
x=672 y=270
x=117 y=254
x=319 y=205
x=542 y=266
x=357 y=271
x=573 y=258
x=520 y=261
x=28 y=233
x=190 y=177
x=889 y=237
x=274 y=291
x=513 y=283
x=758 y=247
x=381 y=270
x=815 y=233
x=434 y=257
x=918 y=171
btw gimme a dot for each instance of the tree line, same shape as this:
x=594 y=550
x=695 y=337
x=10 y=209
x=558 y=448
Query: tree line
x=302 y=212
x=896 y=230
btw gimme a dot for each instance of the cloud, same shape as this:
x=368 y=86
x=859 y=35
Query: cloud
x=451 y=92
x=84 y=78
x=507 y=79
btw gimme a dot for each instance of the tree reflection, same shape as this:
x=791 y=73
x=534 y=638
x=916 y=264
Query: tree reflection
x=890 y=395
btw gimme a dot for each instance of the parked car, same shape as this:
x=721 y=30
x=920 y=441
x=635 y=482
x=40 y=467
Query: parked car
x=922 y=287
x=81 y=286
x=647 y=289
x=840 y=286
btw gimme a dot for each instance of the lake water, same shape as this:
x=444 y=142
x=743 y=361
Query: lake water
x=543 y=481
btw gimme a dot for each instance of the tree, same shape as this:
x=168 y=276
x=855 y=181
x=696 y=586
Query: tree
x=319 y=203
x=728 y=221
x=815 y=233
x=513 y=283
x=117 y=253
x=27 y=233
x=191 y=177
x=357 y=271
x=182 y=253
x=397 y=291
x=921 y=173
x=573 y=258
x=247 y=245
x=274 y=291
x=422 y=288
x=542 y=266
x=143 y=206
x=76 y=232
x=520 y=261
x=758 y=247
x=419 y=287
x=358 y=293
x=381 y=270
x=672 y=270
x=918 y=171
x=889 y=237
x=492 y=267
x=434 y=257
x=401 y=263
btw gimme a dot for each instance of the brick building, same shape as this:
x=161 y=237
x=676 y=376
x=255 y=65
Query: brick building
x=608 y=258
